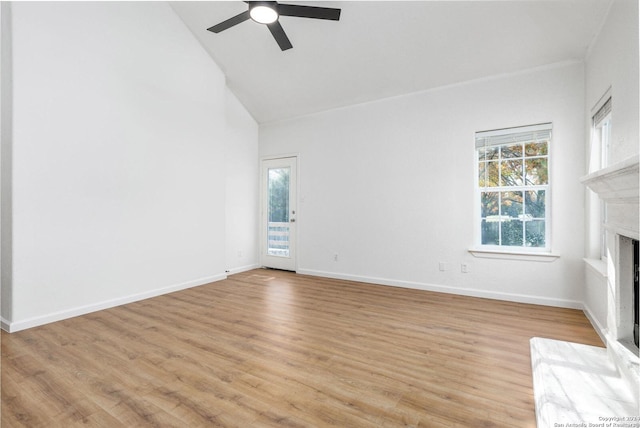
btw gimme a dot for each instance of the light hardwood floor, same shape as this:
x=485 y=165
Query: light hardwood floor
x=271 y=348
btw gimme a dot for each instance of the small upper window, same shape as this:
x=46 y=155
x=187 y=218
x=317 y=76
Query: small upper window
x=513 y=187
x=600 y=136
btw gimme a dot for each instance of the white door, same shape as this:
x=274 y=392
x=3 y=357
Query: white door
x=278 y=220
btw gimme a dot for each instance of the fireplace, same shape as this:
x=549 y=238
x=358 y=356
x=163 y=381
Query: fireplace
x=623 y=298
x=618 y=186
x=636 y=294
x=583 y=384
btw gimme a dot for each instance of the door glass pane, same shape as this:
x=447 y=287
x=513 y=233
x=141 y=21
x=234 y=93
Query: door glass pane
x=278 y=212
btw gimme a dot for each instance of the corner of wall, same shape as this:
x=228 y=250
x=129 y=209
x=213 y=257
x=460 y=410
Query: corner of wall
x=241 y=189
x=6 y=143
x=599 y=328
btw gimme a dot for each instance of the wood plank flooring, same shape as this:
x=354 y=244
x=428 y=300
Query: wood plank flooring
x=274 y=349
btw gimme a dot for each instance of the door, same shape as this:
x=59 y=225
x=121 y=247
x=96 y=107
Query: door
x=278 y=219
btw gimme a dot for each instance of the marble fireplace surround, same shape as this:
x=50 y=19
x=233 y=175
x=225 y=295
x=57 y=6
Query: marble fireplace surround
x=580 y=385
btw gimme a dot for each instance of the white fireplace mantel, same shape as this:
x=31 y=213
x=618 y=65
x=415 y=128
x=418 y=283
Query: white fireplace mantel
x=618 y=183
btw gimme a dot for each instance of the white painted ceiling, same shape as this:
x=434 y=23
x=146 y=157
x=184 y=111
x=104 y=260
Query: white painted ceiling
x=381 y=49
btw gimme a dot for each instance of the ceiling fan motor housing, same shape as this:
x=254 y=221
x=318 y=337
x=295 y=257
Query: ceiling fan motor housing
x=264 y=12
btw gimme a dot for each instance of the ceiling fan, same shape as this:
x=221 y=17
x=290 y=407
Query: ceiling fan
x=268 y=12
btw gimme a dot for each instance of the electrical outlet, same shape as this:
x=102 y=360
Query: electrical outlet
x=239 y=253
x=335 y=257
x=464 y=268
x=442 y=266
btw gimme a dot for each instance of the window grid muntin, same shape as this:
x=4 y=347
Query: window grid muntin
x=494 y=154
x=524 y=218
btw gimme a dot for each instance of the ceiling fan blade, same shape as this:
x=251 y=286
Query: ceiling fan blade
x=278 y=33
x=230 y=22
x=309 y=11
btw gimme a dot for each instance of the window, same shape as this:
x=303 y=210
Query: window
x=600 y=136
x=513 y=187
x=598 y=158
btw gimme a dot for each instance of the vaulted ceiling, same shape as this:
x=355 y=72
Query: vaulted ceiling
x=382 y=49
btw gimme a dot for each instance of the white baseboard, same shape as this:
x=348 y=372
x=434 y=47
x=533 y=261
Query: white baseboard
x=233 y=271
x=13 y=326
x=599 y=328
x=486 y=294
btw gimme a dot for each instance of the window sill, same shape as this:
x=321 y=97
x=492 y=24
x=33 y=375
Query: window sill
x=599 y=267
x=513 y=255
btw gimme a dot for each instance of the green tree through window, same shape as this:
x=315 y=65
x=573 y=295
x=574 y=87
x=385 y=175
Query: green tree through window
x=513 y=184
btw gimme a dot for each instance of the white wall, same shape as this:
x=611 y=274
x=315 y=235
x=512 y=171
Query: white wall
x=612 y=64
x=5 y=158
x=242 y=191
x=120 y=137
x=389 y=186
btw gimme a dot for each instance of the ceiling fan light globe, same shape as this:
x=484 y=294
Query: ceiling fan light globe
x=263 y=14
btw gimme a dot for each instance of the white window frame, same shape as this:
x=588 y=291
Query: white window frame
x=504 y=137
x=601 y=126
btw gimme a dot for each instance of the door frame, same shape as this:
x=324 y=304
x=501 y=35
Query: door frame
x=266 y=260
